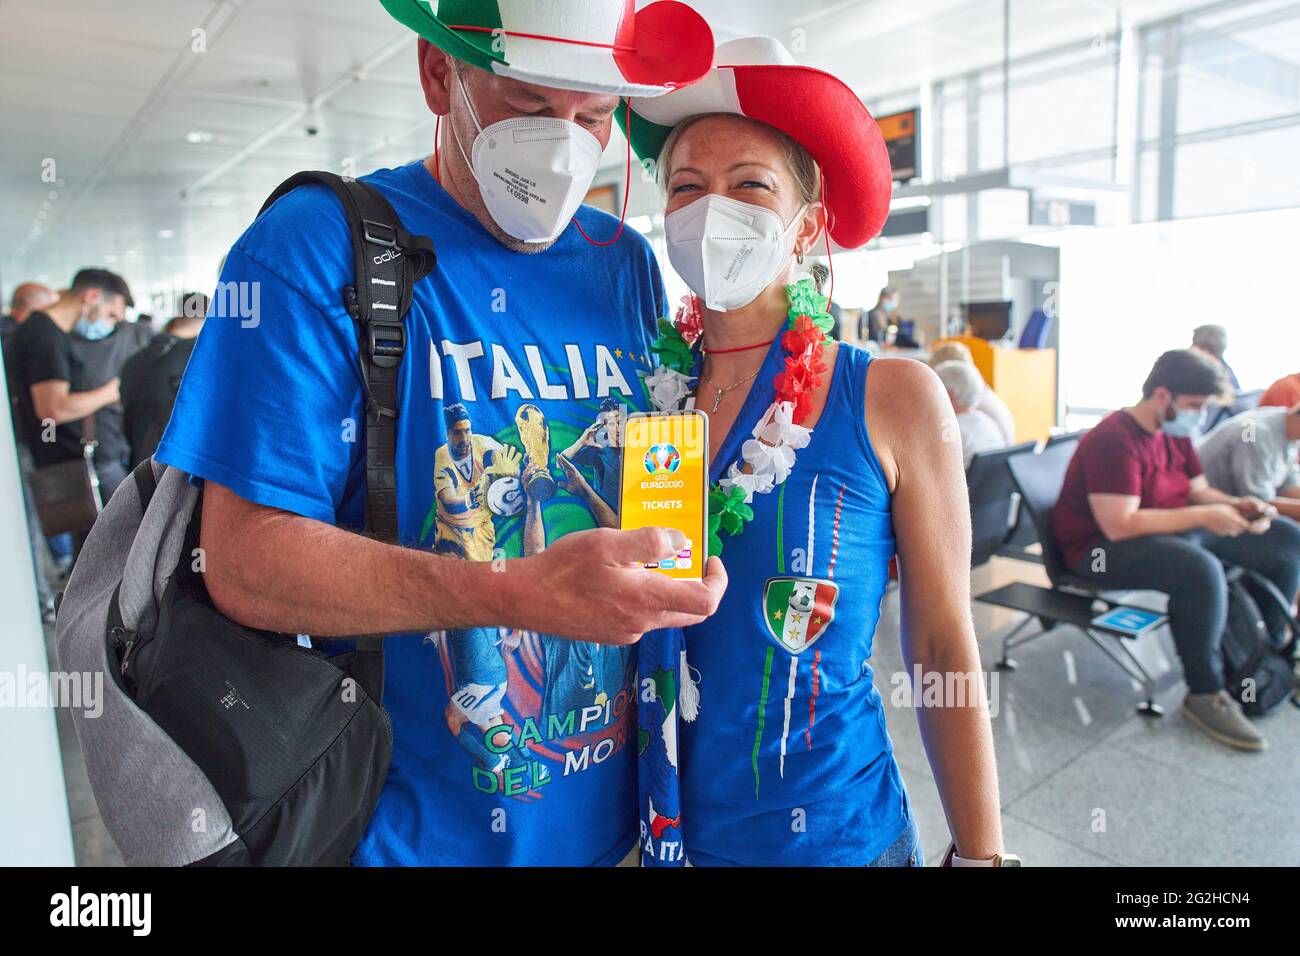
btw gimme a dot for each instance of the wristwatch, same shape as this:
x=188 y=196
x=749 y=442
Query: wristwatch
x=999 y=859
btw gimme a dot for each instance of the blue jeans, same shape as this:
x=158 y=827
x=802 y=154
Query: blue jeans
x=905 y=851
x=1188 y=567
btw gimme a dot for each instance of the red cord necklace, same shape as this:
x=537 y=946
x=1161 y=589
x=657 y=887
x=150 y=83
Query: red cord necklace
x=744 y=348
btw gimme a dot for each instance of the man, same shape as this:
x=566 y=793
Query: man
x=600 y=448
x=585 y=685
x=463 y=470
x=1254 y=455
x=101 y=351
x=151 y=377
x=979 y=432
x=522 y=318
x=1213 y=341
x=1137 y=513
x=46 y=367
x=28 y=297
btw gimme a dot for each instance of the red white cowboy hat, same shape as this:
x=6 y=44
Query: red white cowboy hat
x=596 y=46
x=756 y=77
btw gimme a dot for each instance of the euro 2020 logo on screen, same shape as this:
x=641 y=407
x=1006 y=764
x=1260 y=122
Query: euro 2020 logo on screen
x=662 y=458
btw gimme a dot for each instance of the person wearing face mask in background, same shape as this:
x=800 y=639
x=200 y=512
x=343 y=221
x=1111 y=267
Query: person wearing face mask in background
x=777 y=723
x=55 y=395
x=873 y=326
x=525 y=327
x=1137 y=512
x=101 y=349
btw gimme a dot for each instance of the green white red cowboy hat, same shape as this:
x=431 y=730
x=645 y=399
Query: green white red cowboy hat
x=595 y=46
x=758 y=78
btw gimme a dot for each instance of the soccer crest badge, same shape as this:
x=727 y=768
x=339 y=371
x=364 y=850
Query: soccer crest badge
x=798 y=611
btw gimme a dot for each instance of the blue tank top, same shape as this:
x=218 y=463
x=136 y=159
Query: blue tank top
x=787 y=761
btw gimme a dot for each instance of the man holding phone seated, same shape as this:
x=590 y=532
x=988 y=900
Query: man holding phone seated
x=1255 y=453
x=1136 y=512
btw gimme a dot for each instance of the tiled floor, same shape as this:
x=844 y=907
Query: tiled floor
x=1085 y=780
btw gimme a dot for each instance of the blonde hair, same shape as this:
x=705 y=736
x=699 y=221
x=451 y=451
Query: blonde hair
x=951 y=352
x=797 y=159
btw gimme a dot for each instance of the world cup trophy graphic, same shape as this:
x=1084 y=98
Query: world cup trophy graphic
x=535 y=435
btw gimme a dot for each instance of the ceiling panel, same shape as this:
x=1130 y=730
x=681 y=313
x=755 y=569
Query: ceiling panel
x=111 y=89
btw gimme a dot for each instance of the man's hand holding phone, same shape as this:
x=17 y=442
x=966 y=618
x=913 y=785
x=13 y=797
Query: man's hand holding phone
x=665 y=483
x=598 y=585
x=1259 y=513
x=593 y=586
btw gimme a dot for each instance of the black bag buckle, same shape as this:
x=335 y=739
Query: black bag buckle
x=386 y=343
x=379 y=233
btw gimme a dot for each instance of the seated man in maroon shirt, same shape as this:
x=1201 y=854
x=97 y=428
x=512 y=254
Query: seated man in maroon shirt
x=1136 y=512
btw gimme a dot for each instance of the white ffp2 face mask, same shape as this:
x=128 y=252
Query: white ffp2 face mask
x=728 y=251
x=532 y=172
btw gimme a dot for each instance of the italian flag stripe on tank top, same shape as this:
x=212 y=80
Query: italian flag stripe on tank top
x=672 y=387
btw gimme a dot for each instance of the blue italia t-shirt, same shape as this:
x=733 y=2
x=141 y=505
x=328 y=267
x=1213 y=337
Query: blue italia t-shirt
x=510 y=747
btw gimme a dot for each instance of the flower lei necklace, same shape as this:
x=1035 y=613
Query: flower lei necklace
x=769 y=455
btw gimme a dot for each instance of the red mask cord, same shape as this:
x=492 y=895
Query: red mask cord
x=826 y=218
x=627 y=189
x=437 y=143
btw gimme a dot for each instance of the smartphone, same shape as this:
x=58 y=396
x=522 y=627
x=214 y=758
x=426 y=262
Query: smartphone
x=665 y=483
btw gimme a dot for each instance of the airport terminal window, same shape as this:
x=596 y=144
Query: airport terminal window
x=1241 y=78
x=1068 y=98
x=1132 y=290
x=955 y=130
x=1254 y=171
x=1219 y=112
x=992 y=147
x=955 y=228
x=1220 y=85
x=1148 y=170
x=1150 y=88
x=1003 y=213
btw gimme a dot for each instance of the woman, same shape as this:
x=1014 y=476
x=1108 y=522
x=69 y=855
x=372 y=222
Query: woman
x=873 y=326
x=781 y=757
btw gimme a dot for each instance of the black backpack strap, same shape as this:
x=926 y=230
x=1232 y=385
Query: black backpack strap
x=1267 y=596
x=388 y=262
x=145 y=483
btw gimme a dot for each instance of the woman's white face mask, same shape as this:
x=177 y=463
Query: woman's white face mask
x=532 y=171
x=728 y=251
